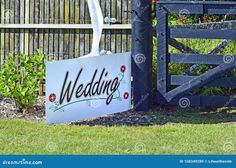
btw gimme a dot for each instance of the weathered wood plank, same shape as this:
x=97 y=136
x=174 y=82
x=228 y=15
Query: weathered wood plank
x=61 y=32
x=202 y=33
x=163 y=36
x=207 y=59
x=42 y=18
x=71 y=43
x=77 y=35
x=199 y=7
x=8 y=14
x=46 y=42
x=36 y=18
x=56 y=32
x=2 y=47
x=17 y=31
x=178 y=80
x=200 y=80
x=27 y=12
x=204 y=101
x=31 y=31
x=51 y=12
x=12 y=20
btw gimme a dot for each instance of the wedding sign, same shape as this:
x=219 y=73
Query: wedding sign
x=87 y=87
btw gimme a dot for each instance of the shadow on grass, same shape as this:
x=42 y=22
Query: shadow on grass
x=194 y=115
x=164 y=116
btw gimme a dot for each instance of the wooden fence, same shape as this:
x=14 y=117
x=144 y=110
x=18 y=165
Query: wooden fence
x=61 y=28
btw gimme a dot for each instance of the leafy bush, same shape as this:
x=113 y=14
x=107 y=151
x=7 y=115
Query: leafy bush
x=20 y=79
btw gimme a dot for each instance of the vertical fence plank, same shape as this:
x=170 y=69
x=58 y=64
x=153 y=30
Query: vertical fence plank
x=26 y=30
x=128 y=32
x=77 y=32
x=87 y=38
x=37 y=18
x=162 y=83
x=42 y=18
x=51 y=11
x=113 y=32
x=108 y=32
x=2 y=33
x=82 y=32
x=61 y=32
x=72 y=32
x=66 y=32
x=7 y=14
x=124 y=20
x=31 y=31
x=46 y=31
x=17 y=21
x=102 y=43
x=11 y=21
x=22 y=22
x=56 y=32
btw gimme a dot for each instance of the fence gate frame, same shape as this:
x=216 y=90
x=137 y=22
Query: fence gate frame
x=223 y=63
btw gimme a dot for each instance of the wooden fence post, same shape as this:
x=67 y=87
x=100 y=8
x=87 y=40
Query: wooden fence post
x=142 y=54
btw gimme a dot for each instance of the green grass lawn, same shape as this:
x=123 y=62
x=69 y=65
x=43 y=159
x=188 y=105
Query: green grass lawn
x=180 y=133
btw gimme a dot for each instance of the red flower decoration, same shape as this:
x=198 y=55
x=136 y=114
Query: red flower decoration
x=181 y=20
x=126 y=95
x=52 y=97
x=123 y=68
x=206 y=19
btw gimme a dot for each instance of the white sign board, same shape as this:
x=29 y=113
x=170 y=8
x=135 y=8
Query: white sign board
x=87 y=87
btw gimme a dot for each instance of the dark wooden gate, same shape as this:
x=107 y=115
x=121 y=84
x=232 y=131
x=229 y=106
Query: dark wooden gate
x=175 y=89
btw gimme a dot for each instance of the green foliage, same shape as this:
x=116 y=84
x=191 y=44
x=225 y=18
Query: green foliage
x=20 y=78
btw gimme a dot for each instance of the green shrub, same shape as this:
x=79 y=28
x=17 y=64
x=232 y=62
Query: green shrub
x=20 y=79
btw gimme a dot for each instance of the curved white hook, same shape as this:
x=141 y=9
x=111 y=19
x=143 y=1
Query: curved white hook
x=97 y=24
